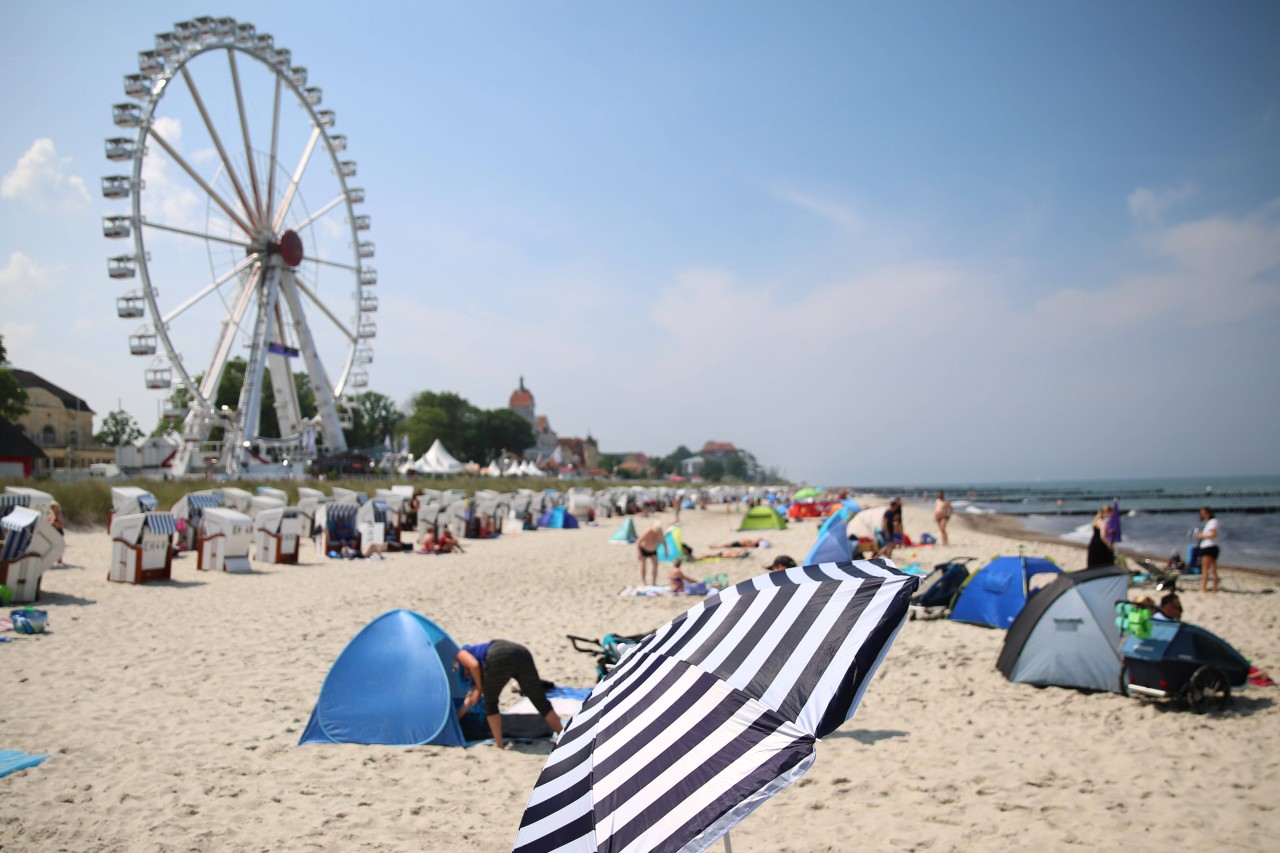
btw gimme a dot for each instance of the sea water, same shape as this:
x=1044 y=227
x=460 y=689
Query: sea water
x=1157 y=516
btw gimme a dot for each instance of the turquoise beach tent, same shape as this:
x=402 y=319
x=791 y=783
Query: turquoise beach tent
x=832 y=547
x=393 y=684
x=996 y=594
x=625 y=534
x=558 y=518
x=671 y=548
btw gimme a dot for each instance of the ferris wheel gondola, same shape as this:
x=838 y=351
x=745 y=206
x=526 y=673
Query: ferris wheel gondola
x=258 y=245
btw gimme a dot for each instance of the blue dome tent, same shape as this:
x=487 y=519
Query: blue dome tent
x=558 y=517
x=393 y=684
x=832 y=547
x=996 y=594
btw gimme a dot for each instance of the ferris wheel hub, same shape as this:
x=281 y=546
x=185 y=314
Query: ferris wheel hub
x=288 y=247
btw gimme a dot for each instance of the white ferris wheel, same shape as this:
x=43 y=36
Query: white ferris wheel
x=247 y=245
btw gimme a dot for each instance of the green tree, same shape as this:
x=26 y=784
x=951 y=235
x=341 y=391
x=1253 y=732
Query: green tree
x=375 y=418
x=713 y=470
x=670 y=464
x=13 y=400
x=468 y=432
x=438 y=415
x=229 y=395
x=736 y=467
x=495 y=430
x=118 y=428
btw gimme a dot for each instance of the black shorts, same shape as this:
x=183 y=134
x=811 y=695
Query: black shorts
x=644 y=553
x=1211 y=551
x=505 y=661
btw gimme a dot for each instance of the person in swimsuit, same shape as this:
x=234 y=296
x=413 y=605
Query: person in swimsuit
x=647 y=545
x=744 y=543
x=941 y=515
x=677 y=578
x=1208 y=536
x=447 y=543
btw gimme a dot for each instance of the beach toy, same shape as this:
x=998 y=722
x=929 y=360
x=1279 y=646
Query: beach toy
x=28 y=620
x=1133 y=621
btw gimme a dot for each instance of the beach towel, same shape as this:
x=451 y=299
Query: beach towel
x=521 y=723
x=12 y=761
x=566 y=701
x=658 y=591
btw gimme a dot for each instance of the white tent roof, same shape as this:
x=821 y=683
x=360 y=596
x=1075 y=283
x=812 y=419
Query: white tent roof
x=437 y=460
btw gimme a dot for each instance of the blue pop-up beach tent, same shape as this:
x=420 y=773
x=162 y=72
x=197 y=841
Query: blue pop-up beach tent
x=558 y=518
x=393 y=684
x=832 y=547
x=625 y=534
x=839 y=518
x=1000 y=589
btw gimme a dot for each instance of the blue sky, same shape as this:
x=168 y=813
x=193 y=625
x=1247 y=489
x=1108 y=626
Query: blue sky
x=871 y=242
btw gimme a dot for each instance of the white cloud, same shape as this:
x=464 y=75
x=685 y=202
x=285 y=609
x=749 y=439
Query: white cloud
x=840 y=215
x=19 y=339
x=40 y=179
x=1148 y=206
x=170 y=197
x=21 y=278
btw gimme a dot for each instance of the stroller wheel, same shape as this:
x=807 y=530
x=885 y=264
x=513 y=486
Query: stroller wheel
x=1124 y=680
x=1208 y=690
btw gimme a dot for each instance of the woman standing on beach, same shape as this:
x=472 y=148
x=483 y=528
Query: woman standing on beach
x=1101 y=551
x=1208 y=536
x=58 y=520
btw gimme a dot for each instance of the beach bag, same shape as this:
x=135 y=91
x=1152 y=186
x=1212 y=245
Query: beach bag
x=28 y=620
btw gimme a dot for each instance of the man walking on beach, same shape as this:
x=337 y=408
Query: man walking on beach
x=647 y=545
x=941 y=515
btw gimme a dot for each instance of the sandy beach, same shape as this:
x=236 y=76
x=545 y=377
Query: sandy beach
x=171 y=713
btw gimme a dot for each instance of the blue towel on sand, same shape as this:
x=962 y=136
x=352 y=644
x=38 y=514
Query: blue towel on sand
x=11 y=761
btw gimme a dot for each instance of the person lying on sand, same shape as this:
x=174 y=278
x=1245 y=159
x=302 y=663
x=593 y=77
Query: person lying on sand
x=744 y=543
x=728 y=554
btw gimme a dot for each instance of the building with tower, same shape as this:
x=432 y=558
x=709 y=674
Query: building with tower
x=581 y=454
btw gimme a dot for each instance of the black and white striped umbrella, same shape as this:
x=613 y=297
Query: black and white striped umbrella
x=716 y=711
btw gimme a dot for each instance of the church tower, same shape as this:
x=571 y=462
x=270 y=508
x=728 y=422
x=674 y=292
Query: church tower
x=522 y=403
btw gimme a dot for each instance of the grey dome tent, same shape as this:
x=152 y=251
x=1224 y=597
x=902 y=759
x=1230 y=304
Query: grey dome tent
x=1067 y=636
